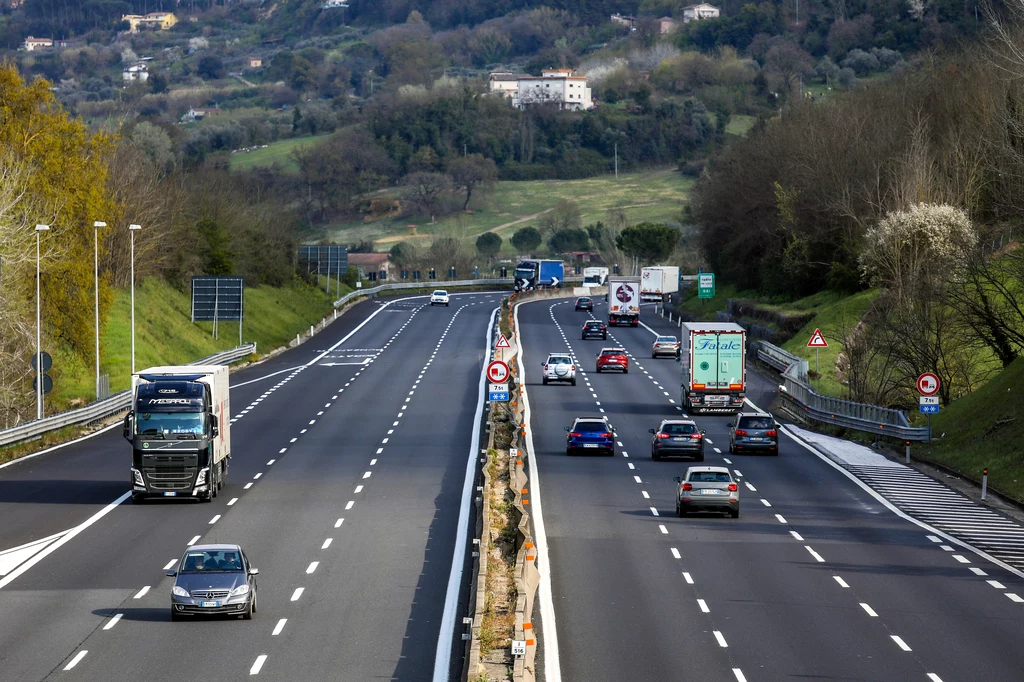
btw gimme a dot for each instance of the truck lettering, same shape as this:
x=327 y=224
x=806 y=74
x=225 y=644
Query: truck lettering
x=711 y=344
x=170 y=401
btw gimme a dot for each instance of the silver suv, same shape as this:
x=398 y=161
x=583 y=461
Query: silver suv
x=559 y=367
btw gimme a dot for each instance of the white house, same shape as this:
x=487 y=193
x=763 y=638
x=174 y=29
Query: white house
x=135 y=72
x=701 y=11
x=555 y=86
x=31 y=44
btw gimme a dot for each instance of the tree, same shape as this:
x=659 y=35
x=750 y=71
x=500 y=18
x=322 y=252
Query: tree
x=210 y=66
x=155 y=143
x=404 y=254
x=157 y=82
x=488 y=244
x=473 y=170
x=564 y=216
x=569 y=240
x=526 y=239
x=648 y=242
x=426 y=190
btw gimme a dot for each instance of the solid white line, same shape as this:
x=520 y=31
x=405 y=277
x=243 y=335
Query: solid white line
x=232 y=502
x=312 y=567
x=58 y=447
x=337 y=524
x=169 y=564
x=814 y=554
x=279 y=627
x=113 y=621
x=74 y=661
x=721 y=639
x=675 y=553
x=141 y=593
x=703 y=606
x=258 y=665
x=194 y=540
x=870 y=611
x=297 y=593
x=688 y=578
x=739 y=675
x=842 y=583
x=442 y=658
x=900 y=643
x=253 y=381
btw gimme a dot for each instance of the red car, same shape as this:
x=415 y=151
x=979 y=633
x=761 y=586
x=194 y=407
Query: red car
x=613 y=358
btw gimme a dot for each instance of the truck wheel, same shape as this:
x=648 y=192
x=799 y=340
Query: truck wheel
x=138 y=499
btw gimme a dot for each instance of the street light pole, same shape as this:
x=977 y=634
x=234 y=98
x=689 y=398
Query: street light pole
x=39 y=332
x=133 y=228
x=96 y=278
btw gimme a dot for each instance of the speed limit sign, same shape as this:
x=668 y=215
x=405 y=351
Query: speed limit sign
x=497 y=372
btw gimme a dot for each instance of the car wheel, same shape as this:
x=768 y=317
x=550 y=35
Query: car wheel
x=625 y=371
x=680 y=512
x=700 y=457
x=735 y=513
x=732 y=450
x=445 y=305
x=544 y=380
x=655 y=456
x=611 y=452
x=174 y=615
x=568 y=452
x=573 y=382
x=247 y=614
x=775 y=452
x=604 y=336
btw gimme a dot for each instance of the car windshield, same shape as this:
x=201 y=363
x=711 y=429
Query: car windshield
x=440 y=293
x=679 y=429
x=169 y=423
x=710 y=477
x=755 y=423
x=590 y=426
x=593 y=323
x=666 y=339
x=559 y=360
x=208 y=561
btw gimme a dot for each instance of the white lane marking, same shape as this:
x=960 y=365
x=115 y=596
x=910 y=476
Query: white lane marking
x=113 y=621
x=303 y=431
x=194 y=540
x=675 y=553
x=752 y=488
x=781 y=518
x=232 y=502
x=738 y=474
x=257 y=476
x=796 y=535
x=78 y=657
x=717 y=451
x=637 y=479
x=814 y=554
x=900 y=643
x=380 y=450
x=687 y=578
x=1015 y=598
x=663 y=530
x=312 y=567
x=169 y=564
x=961 y=559
x=644 y=493
x=390 y=431
x=372 y=462
x=384 y=441
x=141 y=593
x=253 y=381
x=327 y=543
x=977 y=571
x=319 y=414
x=395 y=424
x=247 y=485
x=721 y=639
x=293 y=440
x=359 y=489
x=283 y=450
x=271 y=462
x=703 y=606
x=442 y=659
x=298 y=593
x=870 y=611
x=996 y=584
x=934 y=678
x=337 y=524
x=655 y=511
x=842 y=583
x=258 y=665
x=945 y=548
x=739 y=675
x=351 y=503
x=765 y=502
x=726 y=459
x=630 y=465
x=367 y=474
x=279 y=627
x=215 y=519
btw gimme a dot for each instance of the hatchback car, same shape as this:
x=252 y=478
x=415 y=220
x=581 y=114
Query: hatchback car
x=590 y=434
x=213 y=580
x=559 y=368
x=665 y=345
x=707 y=488
x=585 y=303
x=613 y=358
x=754 y=431
x=677 y=437
x=439 y=297
x=595 y=328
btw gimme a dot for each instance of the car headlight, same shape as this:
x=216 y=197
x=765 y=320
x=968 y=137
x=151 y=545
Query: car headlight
x=180 y=591
x=240 y=590
x=201 y=480
x=137 y=477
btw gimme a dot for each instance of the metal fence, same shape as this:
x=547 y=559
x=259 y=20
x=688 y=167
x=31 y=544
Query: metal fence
x=885 y=421
x=101 y=409
x=434 y=284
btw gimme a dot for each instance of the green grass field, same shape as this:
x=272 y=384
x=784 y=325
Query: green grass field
x=740 y=125
x=164 y=334
x=280 y=151
x=653 y=195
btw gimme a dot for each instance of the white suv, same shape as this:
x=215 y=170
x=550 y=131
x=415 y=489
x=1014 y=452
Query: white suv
x=559 y=367
x=439 y=297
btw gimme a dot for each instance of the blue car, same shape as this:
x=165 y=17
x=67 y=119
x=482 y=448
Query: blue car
x=590 y=434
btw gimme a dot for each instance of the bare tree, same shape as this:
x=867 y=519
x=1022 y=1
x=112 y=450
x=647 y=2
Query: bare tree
x=425 y=190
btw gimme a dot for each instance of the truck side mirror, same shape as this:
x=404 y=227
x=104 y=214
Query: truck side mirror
x=127 y=431
x=214 y=425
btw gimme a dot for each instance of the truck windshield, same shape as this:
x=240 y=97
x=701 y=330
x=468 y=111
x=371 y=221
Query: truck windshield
x=592 y=279
x=165 y=424
x=525 y=272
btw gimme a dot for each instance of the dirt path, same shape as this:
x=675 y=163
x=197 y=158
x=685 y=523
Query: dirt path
x=520 y=220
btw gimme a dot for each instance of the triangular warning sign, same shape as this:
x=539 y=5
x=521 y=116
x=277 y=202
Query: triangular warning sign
x=502 y=342
x=817 y=340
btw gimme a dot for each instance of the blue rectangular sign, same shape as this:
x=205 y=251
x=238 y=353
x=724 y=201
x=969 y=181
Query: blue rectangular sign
x=929 y=409
x=498 y=397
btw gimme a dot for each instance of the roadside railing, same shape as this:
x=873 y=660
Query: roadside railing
x=795 y=387
x=435 y=284
x=101 y=409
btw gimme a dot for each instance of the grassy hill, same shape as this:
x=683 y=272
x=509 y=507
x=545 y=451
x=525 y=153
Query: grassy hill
x=279 y=152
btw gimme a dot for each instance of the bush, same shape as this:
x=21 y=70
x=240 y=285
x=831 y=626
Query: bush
x=862 y=62
x=693 y=168
x=847 y=78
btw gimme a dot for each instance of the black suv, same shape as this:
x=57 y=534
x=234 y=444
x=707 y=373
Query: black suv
x=595 y=328
x=754 y=431
x=585 y=303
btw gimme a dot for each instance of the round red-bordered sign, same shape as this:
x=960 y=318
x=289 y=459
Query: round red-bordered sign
x=928 y=384
x=497 y=372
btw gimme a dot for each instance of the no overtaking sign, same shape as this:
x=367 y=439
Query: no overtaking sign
x=497 y=372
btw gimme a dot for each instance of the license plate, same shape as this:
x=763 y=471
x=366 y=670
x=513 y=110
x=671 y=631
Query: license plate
x=755 y=440
x=210 y=604
x=716 y=398
x=710 y=491
x=680 y=439
x=170 y=494
x=590 y=445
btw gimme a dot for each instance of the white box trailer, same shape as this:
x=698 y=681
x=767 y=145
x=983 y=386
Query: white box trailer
x=658 y=282
x=623 y=300
x=713 y=358
x=180 y=430
x=594 y=276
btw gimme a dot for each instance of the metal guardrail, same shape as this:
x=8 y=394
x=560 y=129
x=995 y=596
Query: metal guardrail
x=106 y=407
x=434 y=284
x=885 y=421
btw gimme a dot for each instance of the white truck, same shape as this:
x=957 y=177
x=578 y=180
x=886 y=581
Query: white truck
x=180 y=430
x=623 y=300
x=658 y=282
x=713 y=356
x=594 y=276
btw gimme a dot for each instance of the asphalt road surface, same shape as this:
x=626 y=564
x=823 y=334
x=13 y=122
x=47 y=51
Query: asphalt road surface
x=817 y=579
x=345 y=488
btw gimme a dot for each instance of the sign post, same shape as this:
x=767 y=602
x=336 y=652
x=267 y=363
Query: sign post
x=928 y=386
x=817 y=341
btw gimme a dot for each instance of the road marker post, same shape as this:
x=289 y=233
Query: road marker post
x=908 y=452
x=984 y=482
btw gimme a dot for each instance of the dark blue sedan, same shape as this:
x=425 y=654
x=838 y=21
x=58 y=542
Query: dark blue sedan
x=590 y=434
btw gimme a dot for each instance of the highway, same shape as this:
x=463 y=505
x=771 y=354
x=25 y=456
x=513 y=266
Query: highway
x=345 y=489
x=817 y=579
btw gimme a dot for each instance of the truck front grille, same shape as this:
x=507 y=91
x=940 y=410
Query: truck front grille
x=172 y=478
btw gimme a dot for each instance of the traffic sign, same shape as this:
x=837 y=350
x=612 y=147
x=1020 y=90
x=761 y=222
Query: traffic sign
x=47 y=361
x=928 y=384
x=47 y=384
x=817 y=340
x=497 y=372
x=518 y=647
x=502 y=342
x=929 y=400
x=497 y=393
x=706 y=285
x=929 y=409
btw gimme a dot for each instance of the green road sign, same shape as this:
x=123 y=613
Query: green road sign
x=706 y=285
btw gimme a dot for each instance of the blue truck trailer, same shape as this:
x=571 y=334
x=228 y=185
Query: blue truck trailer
x=533 y=273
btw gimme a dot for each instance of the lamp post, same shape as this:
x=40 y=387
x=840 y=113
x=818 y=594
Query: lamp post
x=133 y=228
x=39 y=333
x=96 y=275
